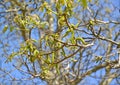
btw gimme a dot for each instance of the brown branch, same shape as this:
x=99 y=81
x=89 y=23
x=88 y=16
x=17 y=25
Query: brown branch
x=109 y=40
x=67 y=21
x=78 y=45
x=89 y=72
x=101 y=37
x=53 y=51
x=71 y=55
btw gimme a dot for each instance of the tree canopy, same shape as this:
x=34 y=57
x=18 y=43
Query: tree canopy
x=60 y=42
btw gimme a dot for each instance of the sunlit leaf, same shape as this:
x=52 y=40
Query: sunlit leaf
x=83 y=2
x=92 y=22
x=11 y=28
x=72 y=36
x=5 y=29
x=47 y=60
x=32 y=58
x=90 y=0
x=53 y=57
x=66 y=33
x=12 y=56
x=62 y=2
x=44 y=24
x=36 y=52
x=57 y=68
x=81 y=40
x=61 y=21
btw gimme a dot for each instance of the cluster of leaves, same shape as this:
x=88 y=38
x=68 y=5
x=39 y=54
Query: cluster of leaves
x=26 y=23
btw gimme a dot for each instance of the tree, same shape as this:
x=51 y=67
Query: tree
x=61 y=42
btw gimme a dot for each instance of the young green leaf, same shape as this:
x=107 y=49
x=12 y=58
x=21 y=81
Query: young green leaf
x=32 y=58
x=84 y=3
x=53 y=57
x=82 y=40
x=5 y=29
x=36 y=52
x=72 y=36
x=11 y=28
x=66 y=33
x=57 y=68
x=12 y=56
